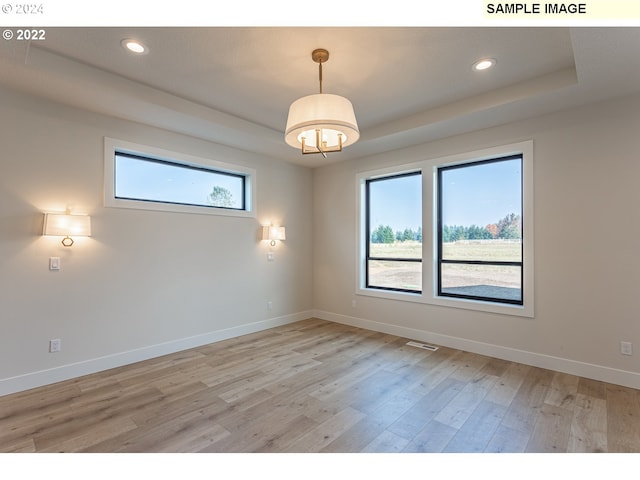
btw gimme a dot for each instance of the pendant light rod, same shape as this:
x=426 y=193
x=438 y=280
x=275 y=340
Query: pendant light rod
x=320 y=55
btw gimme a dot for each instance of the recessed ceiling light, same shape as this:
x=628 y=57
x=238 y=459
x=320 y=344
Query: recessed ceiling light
x=134 y=46
x=484 y=64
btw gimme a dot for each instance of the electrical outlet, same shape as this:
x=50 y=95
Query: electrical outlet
x=269 y=305
x=626 y=348
x=55 y=345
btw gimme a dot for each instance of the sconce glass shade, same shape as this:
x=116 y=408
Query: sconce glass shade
x=274 y=233
x=330 y=114
x=66 y=225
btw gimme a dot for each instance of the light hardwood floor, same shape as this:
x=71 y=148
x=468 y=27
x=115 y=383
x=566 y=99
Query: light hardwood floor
x=317 y=386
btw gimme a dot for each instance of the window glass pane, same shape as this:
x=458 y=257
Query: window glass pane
x=503 y=282
x=481 y=203
x=394 y=217
x=480 y=218
x=497 y=250
x=398 y=249
x=395 y=275
x=152 y=180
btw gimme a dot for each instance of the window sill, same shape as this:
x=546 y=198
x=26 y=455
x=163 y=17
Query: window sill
x=476 y=305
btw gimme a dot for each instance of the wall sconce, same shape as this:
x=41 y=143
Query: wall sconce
x=65 y=225
x=273 y=233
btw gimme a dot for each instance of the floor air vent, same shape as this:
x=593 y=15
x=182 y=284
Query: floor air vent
x=422 y=345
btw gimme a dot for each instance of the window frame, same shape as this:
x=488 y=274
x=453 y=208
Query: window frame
x=368 y=182
x=439 y=244
x=112 y=147
x=429 y=168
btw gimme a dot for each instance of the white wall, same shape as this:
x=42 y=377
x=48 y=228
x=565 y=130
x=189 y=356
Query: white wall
x=146 y=283
x=587 y=238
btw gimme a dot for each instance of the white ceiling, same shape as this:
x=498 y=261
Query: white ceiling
x=234 y=85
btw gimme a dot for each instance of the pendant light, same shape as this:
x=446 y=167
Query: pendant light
x=323 y=122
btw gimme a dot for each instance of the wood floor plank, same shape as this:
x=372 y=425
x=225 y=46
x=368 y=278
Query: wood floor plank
x=592 y=388
x=83 y=438
x=551 y=431
x=433 y=438
x=425 y=410
x=318 y=386
x=36 y=403
x=159 y=413
x=357 y=437
x=469 y=365
x=478 y=430
x=588 y=432
x=496 y=367
x=436 y=358
x=319 y=437
x=265 y=434
x=386 y=442
x=196 y=425
x=273 y=412
x=342 y=385
x=462 y=406
x=525 y=407
x=19 y=445
x=376 y=389
x=400 y=356
x=149 y=370
x=79 y=422
x=508 y=440
x=394 y=407
x=623 y=419
x=432 y=373
x=509 y=382
x=562 y=390
x=281 y=438
x=363 y=434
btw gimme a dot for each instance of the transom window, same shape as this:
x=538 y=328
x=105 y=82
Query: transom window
x=147 y=178
x=151 y=180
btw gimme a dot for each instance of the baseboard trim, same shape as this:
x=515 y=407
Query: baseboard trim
x=65 y=372
x=564 y=365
